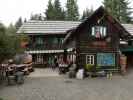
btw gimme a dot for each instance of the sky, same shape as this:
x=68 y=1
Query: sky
x=11 y=10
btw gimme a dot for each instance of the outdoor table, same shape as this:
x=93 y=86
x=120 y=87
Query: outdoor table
x=22 y=67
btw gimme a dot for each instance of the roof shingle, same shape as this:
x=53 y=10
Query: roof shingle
x=47 y=27
x=56 y=27
x=129 y=28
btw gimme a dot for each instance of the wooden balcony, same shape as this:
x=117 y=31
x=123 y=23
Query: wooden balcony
x=45 y=47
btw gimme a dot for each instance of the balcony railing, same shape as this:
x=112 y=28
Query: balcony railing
x=45 y=47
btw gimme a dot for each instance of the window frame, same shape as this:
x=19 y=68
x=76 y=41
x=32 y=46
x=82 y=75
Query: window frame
x=105 y=58
x=39 y=41
x=101 y=29
x=91 y=58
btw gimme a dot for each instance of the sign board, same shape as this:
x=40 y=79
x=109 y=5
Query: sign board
x=106 y=59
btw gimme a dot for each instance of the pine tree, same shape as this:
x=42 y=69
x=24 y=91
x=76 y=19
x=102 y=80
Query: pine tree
x=37 y=17
x=119 y=9
x=2 y=42
x=50 y=11
x=54 y=11
x=11 y=30
x=25 y=20
x=9 y=42
x=58 y=11
x=72 y=10
x=18 y=23
x=86 y=13
x=125 y=12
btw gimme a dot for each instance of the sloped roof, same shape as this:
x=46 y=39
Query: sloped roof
x=56 y=27
x=129 y=28
x=126 y=29
x=47 y=27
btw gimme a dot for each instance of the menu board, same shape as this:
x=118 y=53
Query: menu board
x=106 y=59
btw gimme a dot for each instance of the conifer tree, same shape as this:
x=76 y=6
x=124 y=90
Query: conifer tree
x=58 y=11
x=72 y=10
x=119 y=9
x=86 y=13
x=25 y=20
x=37 y=17
x=18 y=23
x=49 y=11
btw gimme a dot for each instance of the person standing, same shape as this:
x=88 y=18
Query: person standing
x=55 y=62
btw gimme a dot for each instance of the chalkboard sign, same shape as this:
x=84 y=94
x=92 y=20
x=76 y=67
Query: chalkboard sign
x=105 y=59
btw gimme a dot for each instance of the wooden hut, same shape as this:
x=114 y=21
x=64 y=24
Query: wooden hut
x=45 y=39
x=95 y=42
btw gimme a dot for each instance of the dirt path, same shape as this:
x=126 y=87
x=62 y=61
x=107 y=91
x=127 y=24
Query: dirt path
x=41 y=85
x=47 y=72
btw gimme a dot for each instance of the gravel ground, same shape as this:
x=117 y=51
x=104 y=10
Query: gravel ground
x=63 y=88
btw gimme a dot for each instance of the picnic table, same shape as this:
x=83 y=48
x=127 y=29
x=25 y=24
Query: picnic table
x=22 y=67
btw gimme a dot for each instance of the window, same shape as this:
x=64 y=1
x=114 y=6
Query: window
x=39 y=40
x=55 y=40
x=90 y=59
x=49 y=40
x=99 y=31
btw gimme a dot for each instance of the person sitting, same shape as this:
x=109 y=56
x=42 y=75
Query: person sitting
x=55 y=62
x=72 y=70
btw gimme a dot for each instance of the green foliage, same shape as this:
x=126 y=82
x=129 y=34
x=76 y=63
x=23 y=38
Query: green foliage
x=49 y=11
x=86 y=13
x=25 y=20
x=18 y=23
x=119 y=9
x=5 y=50
x=11 y=30
x=89 y=67
x=1 y=99
x=9 y=42
x=54 y=11
x=36 y=17
x=72 y=10
x=59 y=13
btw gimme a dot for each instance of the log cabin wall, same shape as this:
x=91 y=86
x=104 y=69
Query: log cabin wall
x=88 y=44
x=71 y=44
x=97 y=41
